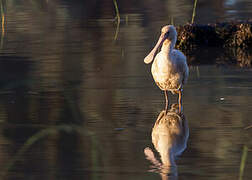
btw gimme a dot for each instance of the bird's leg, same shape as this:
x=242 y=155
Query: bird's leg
x=166 y=102
x=180 y=101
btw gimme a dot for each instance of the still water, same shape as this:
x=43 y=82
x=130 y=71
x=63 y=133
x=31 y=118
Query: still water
x=77 y=104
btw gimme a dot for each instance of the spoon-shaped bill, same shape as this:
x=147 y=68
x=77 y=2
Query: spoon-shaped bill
x=149 y=58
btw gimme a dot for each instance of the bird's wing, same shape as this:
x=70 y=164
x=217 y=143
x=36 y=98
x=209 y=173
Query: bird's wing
x=181 y=65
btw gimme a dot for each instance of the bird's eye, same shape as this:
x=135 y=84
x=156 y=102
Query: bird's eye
x=167 y=33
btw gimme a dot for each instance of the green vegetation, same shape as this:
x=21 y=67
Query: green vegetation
x=194 y=11
x=172 y=21
x=117 y=18
x=227 y=34
x=49 y=132
x=243 y=161
x=2 y=22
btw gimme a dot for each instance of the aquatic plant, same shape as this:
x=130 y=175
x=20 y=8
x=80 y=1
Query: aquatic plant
x=234 y=37
x=190 y=35
x=243 y=161
x=2 y=22
x=66 y=128
x=227 y=34
x=172 y=21
x=117 y=18
x=242 y=37
x=244 y=58
x=194 y=11
x=117 y=11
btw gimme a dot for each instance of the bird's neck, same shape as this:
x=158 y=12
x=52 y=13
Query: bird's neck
x=167 y=47
x=168 y=158
x=165 y=150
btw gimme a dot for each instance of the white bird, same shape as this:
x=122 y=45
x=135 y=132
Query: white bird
x=169 y=69
x=169 y=137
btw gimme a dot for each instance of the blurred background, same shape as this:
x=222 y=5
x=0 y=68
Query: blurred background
x=78 y=102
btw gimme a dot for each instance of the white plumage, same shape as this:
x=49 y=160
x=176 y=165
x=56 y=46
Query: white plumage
x=169 y=137
x=169 y=69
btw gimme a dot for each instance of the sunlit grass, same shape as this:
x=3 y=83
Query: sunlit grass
x=194 y=11
x=127 y=20
x=172 y=20
x=117 y=18
x=3 y=19
x=243 y=161
x=2 y=22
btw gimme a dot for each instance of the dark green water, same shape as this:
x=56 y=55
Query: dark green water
x=75 y=104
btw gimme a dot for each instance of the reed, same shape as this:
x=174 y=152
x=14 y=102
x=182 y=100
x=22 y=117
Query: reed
x=2 y=22
x=172 y=21
x=194 y=11
x=47 y=131
x=42 y=134
x=243 y=161
x=117 y=18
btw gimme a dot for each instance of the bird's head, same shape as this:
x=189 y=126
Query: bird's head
x=168 y=36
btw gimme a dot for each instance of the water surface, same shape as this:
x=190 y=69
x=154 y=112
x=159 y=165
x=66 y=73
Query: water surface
x=76 y=104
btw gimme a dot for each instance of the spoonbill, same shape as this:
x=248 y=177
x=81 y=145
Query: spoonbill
x=169 y=69
x=169 y=137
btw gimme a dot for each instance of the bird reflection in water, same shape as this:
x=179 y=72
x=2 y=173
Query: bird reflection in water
x=169 y=137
